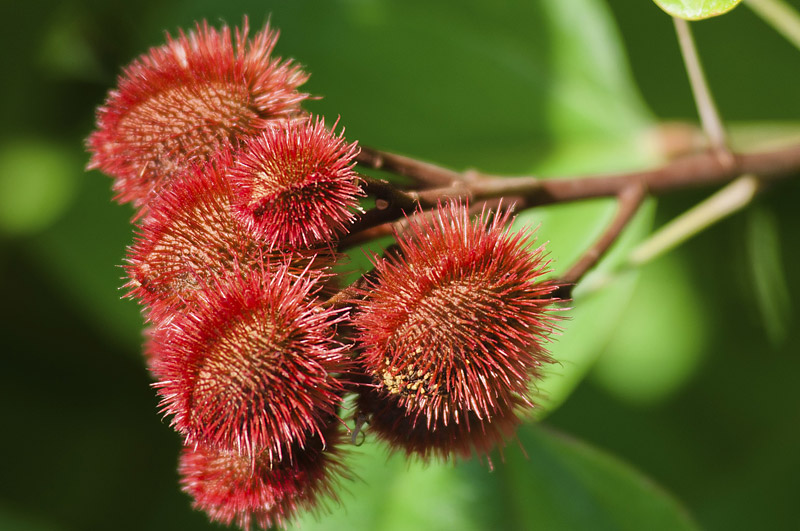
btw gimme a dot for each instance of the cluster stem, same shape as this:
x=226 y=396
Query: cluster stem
x=697 y=170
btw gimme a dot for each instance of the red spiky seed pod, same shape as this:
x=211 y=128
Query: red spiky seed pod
x=295 y=184
x=181 y=102
x=191 y=235
x=253 y=366
x=460 y=434
x=232 y=488
x=452 y=331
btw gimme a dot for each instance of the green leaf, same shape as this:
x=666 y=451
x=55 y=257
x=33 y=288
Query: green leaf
x=394 y=495
x=596 y=120
x=565 y=484
x=83 y=253
x=661 y=337
x=696 y=9
x=591 y=322
x=562 y=484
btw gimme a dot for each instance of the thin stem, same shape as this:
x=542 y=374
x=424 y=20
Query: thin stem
x=347 y=295
x=728 y=200
x=694 y=171
x=387 y=195
x=341 y=298
x=723 y=203
x=426 y=175
x=780 y=16
x=712 y=125
x=391 y=203
x=629 y=200
x=391 y=228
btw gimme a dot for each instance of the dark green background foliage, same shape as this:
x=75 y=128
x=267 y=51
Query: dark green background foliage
x=687 y=369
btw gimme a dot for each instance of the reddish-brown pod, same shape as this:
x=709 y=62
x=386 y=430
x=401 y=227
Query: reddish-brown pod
x=181 y=102
x=460 y=434
x=191 y=236
x=452 y=332
x=232 y=488
x=253 y=365
x=295 y=184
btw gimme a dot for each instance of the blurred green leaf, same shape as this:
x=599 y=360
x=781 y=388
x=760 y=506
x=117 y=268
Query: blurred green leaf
x=660 y=339
x=593 y=98
x=768 y=276
x=83 y=253
x=37 y=183
x=696 y=9
x=395 y=494
x=13 y=521
x=65 y=51
x=597 y=120
x=591 y=322
x=781 y=15
x=563 y=485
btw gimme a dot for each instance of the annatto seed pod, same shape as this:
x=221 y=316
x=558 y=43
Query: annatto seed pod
x=232 y=488
x=253 y=366
x=182 y=101
x=452 y=332
x=460 y=435
x=295 y=184
x=191 y=236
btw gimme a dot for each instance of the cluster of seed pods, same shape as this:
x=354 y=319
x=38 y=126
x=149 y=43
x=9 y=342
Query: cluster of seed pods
x=242 y=200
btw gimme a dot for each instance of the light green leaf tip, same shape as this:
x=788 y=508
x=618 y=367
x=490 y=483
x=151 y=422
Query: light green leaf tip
x=566 y=484
x=696 y=9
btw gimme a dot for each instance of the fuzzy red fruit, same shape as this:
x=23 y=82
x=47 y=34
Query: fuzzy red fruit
x=233 y=488
x=191 y=236
x=452 y=333
x=182 y=101
x=253 y=366
x=295 y=184
x=461 y=434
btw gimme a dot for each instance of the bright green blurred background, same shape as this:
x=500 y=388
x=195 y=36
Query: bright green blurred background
x=696 y=355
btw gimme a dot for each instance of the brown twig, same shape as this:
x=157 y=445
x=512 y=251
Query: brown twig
x=702 y=169
x=344 y=296
x=397 y=226
x=356 y=290
x=694 y=171
x=386 y=194
x=628 y=201
x=391 y=203
x=426 y=175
